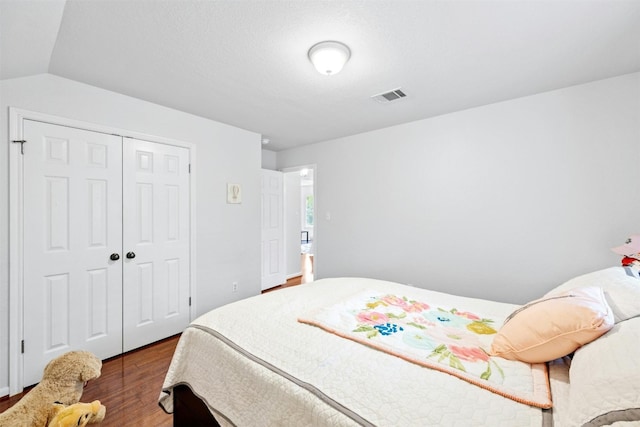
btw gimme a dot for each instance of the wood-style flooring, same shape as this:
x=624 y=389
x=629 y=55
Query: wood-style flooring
x=130 y=384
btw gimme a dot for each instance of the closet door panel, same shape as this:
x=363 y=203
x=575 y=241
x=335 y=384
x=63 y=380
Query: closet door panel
x=156 y=239
x=72 y=294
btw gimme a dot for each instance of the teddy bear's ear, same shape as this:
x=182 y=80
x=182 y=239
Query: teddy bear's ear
x=91 y=369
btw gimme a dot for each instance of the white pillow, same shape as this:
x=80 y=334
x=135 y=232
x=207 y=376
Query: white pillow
x=621 y=290
x=605 y=379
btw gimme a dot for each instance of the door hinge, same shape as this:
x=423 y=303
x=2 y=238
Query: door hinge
x=189 y=167
x=22 y=346
x=189 y=301
x=21 y=142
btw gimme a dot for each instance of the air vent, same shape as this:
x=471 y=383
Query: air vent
x=392 y=95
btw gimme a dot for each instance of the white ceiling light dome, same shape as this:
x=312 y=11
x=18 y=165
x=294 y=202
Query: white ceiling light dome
x=329 y=56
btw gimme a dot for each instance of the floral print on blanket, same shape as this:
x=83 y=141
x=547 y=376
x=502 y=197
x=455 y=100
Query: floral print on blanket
x=448 y=336
x=429 y=333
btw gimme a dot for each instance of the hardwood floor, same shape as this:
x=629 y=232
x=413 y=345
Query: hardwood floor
x=129 y=387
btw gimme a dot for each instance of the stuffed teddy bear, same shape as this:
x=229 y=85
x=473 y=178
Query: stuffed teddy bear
x=77 y=415
x=62 y=382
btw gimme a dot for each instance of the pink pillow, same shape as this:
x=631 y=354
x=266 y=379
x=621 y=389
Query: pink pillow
x=552 y=327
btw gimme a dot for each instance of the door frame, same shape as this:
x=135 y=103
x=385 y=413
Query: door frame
x=17 y=117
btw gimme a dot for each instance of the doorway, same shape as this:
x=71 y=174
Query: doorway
x=300 y=229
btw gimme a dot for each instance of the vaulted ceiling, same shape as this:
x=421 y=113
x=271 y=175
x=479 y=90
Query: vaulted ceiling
x=245 y=62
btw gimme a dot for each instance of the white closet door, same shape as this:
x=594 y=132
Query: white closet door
x=273 y=265
x=156 y=241
x=72 y=226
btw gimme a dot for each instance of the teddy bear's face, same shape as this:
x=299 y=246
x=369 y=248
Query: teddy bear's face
x=80 y=366
x=78 y=414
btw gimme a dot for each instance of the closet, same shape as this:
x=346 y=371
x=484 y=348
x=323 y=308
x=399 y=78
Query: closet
x=106 y=243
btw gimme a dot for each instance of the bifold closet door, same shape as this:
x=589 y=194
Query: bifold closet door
x=106 y=258
x=72 y=227
x=156 y=241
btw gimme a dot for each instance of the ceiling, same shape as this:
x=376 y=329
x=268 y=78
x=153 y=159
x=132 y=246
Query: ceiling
x=245 y=63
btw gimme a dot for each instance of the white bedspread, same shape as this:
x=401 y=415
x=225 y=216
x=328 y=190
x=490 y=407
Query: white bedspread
x=256 y=365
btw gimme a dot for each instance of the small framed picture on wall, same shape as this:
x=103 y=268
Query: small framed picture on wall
x=234 y=193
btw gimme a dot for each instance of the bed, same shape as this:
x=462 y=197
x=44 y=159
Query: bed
x=281 y=359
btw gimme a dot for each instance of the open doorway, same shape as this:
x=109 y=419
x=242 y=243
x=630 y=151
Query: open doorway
x=307 y=224
x=299 y=219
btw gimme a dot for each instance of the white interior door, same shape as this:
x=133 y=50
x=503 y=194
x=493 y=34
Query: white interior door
x=156 y=241
x=72 y=226
x=273 y=265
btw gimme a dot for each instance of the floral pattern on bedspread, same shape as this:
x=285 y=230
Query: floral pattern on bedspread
x=447 y=339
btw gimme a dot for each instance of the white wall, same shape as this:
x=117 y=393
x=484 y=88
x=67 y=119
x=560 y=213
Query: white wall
x=502 y=201
x=292 y=221
x=228 y=236
x=269 y=159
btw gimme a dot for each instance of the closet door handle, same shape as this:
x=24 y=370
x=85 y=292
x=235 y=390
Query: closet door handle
x=114 y=257
x=131 y=255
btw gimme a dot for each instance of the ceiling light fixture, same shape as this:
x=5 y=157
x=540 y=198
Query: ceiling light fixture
x=329 y=56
